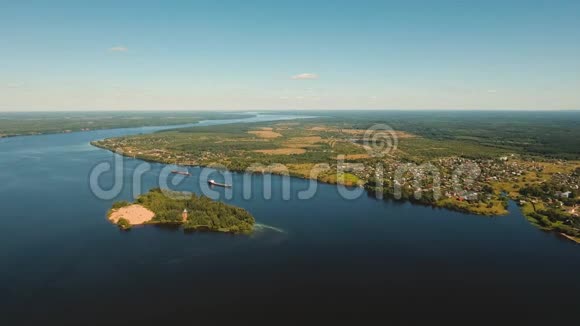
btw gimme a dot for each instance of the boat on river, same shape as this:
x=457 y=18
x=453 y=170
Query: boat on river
x=213 y=183
x=181 y=172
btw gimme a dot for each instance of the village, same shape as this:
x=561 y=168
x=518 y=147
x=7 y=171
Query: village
x=481 y=180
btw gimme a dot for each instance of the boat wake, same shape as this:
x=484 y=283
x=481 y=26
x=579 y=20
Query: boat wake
x=263 y=228
x=269 y=234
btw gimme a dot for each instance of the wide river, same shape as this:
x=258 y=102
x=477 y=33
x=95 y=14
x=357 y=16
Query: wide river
x=317 y=259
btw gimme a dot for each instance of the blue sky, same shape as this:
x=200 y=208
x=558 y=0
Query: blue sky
x=241 y=55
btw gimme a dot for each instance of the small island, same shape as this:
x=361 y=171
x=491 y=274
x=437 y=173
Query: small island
x=192 y=212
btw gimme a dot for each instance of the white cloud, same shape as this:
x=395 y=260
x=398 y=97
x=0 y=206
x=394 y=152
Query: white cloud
x=118 y=48
x=492 y=90
x=305 y=76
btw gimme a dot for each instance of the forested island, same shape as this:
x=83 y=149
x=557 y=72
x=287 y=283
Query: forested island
x=192 y=212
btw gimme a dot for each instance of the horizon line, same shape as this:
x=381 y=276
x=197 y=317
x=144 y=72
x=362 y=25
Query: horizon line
x=282 y=110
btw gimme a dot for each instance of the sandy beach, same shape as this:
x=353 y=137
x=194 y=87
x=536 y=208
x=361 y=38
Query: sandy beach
x=135 y=214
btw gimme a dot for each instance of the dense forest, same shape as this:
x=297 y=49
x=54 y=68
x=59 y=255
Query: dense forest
x=552 y=134
x=204 y=214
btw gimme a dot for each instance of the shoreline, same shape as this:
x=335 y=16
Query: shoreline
x=463 y=210
x=571 y=238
